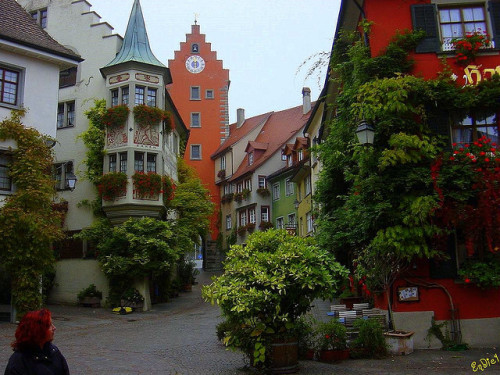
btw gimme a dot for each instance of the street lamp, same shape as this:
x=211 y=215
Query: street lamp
x=71 y=180
x=365 y=133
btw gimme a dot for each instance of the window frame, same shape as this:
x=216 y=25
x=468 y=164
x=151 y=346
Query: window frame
x=289 y=188
x=192 y=91
x=68 y=120
x=211 y=96
x=112 y=162
x=191 y=147
x=193 y=123
x=19 y=84
x=276 y=191
x=123 y=158
x=6 y=166
x=265 y=210
x=40 y=16
x=474 y=127
x=280 y=222
x=260 y=179
x=65 y=168
x=229 y=222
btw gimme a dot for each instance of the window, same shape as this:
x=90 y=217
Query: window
x=139 y=161
x=283 y=155
x=5 y=180
x=264 y=213
x=309 y=220
x=229 y=223
x=243 y=218
x=67 y=78
x=289 y=160
x=300 y=155
x=308 y=185
x=447 y=22
x=239 y=187
x=151 y=163
x=251 y=215
x=248 y=184
x=65 y=115
x=223 y=162
x=175 y=143
x=291 y=219
x=62 y=173
x=262 y=182
x=280 y=223
x=40 y=17
x=195 y=152
x=228 y=189
x=195 y=119
x=123 y=162
x=288 y=187
x=195 y=48
x=276 y=191
x=114 y=97
x=151 y=97
x=209 y=94
x=112 y=162
x=195 y=93
x=460 y=21
x=471 y=128
x=250 y=158
x=9 y=86
x=139 y=95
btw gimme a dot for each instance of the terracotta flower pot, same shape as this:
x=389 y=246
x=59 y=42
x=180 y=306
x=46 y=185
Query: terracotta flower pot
x=333 y=355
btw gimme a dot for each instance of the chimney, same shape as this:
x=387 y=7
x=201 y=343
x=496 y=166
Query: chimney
x=306 y=100
x=240 y=117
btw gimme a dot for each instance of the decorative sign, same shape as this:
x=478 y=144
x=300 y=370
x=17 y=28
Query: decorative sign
x=473 y=74
x=408 y=294
x=119 y=78
x=146 y=78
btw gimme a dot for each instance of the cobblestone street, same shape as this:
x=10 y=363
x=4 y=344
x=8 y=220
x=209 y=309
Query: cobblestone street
x=179 y=338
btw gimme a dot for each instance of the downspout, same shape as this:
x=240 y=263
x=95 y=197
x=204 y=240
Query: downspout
x=363 y=16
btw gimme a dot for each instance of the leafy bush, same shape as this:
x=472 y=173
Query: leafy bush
x=331 y=335
x=268 y=284
x=370 y=342
x=90 y=291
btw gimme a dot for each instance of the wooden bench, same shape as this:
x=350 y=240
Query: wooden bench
x=335 y=309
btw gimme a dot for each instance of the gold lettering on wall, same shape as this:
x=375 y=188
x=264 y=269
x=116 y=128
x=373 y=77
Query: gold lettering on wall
x=473 y=75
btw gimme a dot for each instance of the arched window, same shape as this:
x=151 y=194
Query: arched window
x=195 y=48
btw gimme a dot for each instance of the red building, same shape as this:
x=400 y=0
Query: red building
x=200 y=92
x=436 y=289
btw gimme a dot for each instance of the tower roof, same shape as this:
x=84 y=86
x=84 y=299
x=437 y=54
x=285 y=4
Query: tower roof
x=135 y=45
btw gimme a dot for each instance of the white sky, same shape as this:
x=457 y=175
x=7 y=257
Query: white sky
x=261 y=42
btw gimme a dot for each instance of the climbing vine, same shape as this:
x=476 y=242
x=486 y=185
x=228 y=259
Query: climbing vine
x=28 y=222
x=382 y=199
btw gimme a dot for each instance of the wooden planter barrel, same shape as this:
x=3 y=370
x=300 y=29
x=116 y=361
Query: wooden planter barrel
x=284 y=356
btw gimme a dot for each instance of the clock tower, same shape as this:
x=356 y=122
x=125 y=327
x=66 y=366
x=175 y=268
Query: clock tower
x=200 y=92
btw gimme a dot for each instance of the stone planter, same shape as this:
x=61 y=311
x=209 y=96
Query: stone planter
x=333 y=355
x=133 y=305
x=399 y=342
x=91 y=302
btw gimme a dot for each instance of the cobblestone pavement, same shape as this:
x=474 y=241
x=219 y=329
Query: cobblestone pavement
x=178 y=338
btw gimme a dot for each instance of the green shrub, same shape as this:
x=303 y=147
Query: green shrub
x=370 y=342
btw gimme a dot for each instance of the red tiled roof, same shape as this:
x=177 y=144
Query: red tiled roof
x=235 y=134
x=256 y=146
x=278 y=129
x=16 y=25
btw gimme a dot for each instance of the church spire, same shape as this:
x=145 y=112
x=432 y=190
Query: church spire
x=135 y=45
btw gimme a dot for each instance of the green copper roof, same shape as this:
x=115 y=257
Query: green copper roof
x=135 y=45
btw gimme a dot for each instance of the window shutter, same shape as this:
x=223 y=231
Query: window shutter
x=439 y=124
x=494 y=9
x=424 y=17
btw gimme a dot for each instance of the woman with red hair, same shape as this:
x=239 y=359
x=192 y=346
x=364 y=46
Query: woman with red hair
x=34 y=353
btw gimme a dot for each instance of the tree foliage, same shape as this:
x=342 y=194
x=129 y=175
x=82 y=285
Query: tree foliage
x=28 y=224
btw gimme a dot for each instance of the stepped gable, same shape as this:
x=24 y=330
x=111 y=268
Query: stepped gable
x=278 y=129
x=20 y=28
x=235 y=133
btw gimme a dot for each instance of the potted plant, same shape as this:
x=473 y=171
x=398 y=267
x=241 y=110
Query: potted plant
x=238 y=197
x=370 y=342
x=263 y=192
x=266 y=287
x=265 y=225
x=242 y=230
x=116 y=116
x=221 y=173
x=147 y=185
x=250 y=227
x=332 y=341
x=90 y=296
x=187 y=274
x=132 y=298
x=145 y=115
x=468 y=46
x=112 y=185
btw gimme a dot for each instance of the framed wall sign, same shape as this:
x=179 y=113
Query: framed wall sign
x=408 y=294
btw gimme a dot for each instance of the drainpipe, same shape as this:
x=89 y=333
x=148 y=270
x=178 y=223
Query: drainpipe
x=363 y=16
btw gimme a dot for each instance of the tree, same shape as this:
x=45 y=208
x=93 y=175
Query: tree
x=28 y=224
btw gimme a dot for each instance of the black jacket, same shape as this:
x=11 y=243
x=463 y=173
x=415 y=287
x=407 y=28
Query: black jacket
x=46 y=361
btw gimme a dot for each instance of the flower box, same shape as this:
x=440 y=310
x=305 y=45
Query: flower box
x=112 y=185
x=147 y=185
x=145 y=115
x=116 y=116
x=91 y=301
x=333 y=355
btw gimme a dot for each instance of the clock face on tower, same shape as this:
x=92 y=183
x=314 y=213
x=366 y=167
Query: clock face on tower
x=195 y=64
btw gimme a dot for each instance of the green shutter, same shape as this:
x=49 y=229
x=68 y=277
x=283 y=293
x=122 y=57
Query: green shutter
x=494 y=9
x=424 y=17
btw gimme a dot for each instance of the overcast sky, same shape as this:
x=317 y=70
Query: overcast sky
x=261 y=42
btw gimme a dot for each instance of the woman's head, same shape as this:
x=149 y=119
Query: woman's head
x=34 y=330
